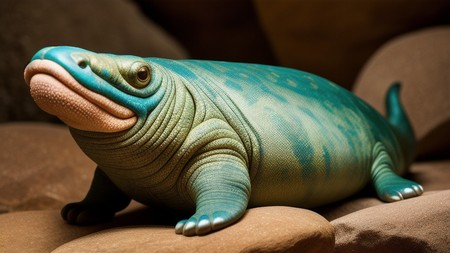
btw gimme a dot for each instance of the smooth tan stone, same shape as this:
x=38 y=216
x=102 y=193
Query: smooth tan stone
x=266 y=229
x=432 y=175
x=37 y=231
x=348 y=206
x=41 y=167
x=420 y=224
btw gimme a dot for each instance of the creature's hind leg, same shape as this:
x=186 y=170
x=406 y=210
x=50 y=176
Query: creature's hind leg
x=390 y=187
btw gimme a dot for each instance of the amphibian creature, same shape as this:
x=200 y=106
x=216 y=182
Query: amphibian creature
x=216 y=137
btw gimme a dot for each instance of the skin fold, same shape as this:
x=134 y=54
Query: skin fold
x=215 y=138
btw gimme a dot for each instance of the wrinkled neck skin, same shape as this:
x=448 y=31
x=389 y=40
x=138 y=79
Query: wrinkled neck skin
x=145 y=148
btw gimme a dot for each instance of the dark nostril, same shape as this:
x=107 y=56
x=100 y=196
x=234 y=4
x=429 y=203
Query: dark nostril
x=82 y=64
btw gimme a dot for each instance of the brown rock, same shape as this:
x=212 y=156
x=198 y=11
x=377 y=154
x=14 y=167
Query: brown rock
x=420 y=224
x=335 y=38
x=432 y=175
x=420 y=62
x=41 y=167
x=345 y=207
x=37 y=231
x=267 y=229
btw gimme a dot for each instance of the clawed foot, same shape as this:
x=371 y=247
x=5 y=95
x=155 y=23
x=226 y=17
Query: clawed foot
x=203 y=224
x=399 y=189
x=102 y=201
x=83 y=214
x=390 y=187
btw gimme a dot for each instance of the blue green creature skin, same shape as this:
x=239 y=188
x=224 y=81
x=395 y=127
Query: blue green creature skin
x=216 y=138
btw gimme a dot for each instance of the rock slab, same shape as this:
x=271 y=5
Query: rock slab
x=420 y=224
x=41 y=167
x=264 y=229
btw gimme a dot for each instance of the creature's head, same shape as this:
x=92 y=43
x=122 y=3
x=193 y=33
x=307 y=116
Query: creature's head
x=93 y=92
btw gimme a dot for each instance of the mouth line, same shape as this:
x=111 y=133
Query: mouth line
x=50 y=68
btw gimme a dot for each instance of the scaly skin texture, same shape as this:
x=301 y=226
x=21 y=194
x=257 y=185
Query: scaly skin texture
x=216 y=137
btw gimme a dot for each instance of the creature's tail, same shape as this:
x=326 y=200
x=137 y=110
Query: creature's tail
x=399 y=121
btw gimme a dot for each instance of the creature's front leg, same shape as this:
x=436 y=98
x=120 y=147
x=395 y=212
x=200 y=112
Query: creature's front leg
x=220 y=187
x=102 y=201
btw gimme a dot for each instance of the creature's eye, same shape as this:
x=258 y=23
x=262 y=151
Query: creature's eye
x=139 y=75
x=82 y=64
x=143 y=74
x=81 y=60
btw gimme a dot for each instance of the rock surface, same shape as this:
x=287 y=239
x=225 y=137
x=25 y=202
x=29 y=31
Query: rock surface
x=432 y=175
x=267 y=229
x=37 y=231
x=419 y=224
x=41 y=167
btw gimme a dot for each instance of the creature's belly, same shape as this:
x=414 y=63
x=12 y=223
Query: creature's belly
x=305 y=187
x=307 y=172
